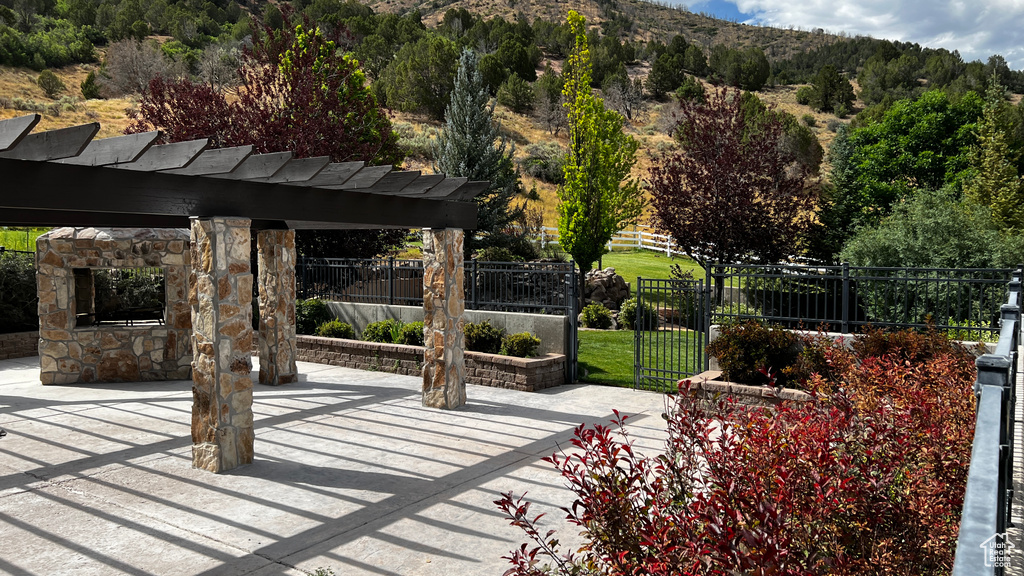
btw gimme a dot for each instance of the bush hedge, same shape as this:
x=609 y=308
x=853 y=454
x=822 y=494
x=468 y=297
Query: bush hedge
x=336 y=329
x=522 y=345
x=386 y=331
x=483 y=337
x=867 y=477
x=596 y=316
x=309 y=314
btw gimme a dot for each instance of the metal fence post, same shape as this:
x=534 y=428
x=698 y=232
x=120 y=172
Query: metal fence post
x=472 y=280
x=846 y=298
x=391 y=280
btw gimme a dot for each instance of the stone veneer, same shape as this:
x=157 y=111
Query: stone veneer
x=444 y=366
x=19 y=345
x=524 y=374
x=220 y=293
x=276 y=249
x=111 y=353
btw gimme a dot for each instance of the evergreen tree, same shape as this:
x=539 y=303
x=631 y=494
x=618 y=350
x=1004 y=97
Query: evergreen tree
x=471 y=145
x=996 y=183
x=594 y=203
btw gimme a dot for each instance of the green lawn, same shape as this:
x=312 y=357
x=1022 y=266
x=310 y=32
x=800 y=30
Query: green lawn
x=20 y=238
x=606 y=357
x=647 y=264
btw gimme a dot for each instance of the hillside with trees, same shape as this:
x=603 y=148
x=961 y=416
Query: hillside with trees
x=869 y=123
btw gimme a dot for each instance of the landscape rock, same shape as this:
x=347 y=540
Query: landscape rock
x=607 y=288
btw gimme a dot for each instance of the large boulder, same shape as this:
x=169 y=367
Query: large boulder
x=605 y=287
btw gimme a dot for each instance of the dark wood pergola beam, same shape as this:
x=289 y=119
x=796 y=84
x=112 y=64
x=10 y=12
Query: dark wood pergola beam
x=47 y=193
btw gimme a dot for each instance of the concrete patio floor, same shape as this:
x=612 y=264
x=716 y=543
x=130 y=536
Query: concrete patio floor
x=351 y=474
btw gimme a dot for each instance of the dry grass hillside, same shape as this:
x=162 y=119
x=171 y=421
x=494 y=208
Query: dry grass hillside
x=17 y=86
x=651 y=21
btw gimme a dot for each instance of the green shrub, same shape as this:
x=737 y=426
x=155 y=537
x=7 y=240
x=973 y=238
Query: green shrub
x=411 y=334
x=386 y=331
x=522 y=345
x=19 y=299
x=634 y=317
x=309 y=314
x=544 y=162
x=90 y=88
x=597 y=316
x=336 y=329
x=743 y=349
x=483 y=337
x=50 y=83
x=809 y=120
x=804 y=95
x=497 y=254
x=516 y=94
x=690 y=89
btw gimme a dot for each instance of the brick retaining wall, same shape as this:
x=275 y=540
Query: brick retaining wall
x=19 y=345
x=526 y=374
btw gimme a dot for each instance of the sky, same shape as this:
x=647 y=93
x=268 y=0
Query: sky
x=977 y=28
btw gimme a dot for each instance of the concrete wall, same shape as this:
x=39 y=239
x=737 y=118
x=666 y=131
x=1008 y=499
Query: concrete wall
x=553 y=331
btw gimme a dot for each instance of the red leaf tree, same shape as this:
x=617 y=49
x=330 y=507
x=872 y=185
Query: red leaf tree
x=298 y=93
x=734 y=192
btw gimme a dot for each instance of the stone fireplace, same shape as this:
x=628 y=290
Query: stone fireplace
x=136 y=345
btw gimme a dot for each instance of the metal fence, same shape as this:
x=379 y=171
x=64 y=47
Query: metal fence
x=671 y=332
x=982 y=546
x=533 y=287
x=962 y=301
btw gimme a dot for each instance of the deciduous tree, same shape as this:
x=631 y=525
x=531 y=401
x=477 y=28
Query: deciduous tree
x=731 y=194
x=596 y=200
x=297 y=94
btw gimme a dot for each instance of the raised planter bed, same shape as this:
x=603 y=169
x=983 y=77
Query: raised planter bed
x=708 y=384
x=19 y=344
x=525 y=374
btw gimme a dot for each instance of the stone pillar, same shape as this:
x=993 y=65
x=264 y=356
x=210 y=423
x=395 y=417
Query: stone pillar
x=59 y=354
x=220 y=292
x=277 y=306
x=444 y=366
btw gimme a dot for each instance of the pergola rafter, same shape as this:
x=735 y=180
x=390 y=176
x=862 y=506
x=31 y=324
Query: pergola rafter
x=166 y=184
x=65 y=177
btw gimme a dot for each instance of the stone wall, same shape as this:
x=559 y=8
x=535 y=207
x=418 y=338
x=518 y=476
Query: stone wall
x=19 y=345
x=526 y=374
x=115 y=353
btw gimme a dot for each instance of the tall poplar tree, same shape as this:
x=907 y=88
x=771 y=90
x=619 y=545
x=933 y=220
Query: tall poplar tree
x=596 y=200
x=471 y=145
x=996 y=183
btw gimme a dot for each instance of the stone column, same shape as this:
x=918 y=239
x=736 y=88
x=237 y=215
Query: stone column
x=444 y=367
x=277 y=306
x=220 y=292
x=55 y=284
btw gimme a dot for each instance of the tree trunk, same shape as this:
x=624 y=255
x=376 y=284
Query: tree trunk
x=582 y=286
x=718 y=273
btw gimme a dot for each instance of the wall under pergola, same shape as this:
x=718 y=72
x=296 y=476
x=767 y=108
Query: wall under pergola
x=220 y=195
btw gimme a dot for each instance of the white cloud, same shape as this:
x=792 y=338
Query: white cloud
x=977 y=28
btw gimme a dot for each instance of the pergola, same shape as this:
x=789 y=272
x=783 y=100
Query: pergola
x=66 y=178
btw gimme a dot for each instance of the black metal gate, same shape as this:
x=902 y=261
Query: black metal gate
x=673 y=321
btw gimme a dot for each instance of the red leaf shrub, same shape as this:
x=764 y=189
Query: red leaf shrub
x=866 y=478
